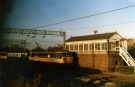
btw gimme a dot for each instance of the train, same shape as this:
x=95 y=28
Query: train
x=61 y=57
x=12 y=55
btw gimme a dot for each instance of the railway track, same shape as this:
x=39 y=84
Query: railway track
x=33 y=74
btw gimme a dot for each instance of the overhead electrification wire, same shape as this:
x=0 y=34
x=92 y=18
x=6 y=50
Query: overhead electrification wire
x=115 y=24
x=121 y=23
x=83 y=17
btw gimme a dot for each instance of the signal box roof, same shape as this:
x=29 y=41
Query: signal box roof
x=92 y=37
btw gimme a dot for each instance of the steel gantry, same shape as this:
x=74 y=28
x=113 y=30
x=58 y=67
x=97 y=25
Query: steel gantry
x=33 y=31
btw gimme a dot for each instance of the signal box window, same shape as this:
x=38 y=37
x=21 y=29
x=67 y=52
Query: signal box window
x=81 y=47
x=76 y=47
x=97 y=46
x=91 y=46
x=104 y=46
x=71 y=47
x=85 y=46
x=67 y=47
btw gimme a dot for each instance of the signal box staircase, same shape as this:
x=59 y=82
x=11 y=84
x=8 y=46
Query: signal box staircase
x=127 y=57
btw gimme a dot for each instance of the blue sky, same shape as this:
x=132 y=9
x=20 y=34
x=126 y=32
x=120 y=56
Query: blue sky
x=36 y=13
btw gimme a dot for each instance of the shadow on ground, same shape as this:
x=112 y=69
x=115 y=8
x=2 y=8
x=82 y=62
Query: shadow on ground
x=16 y=73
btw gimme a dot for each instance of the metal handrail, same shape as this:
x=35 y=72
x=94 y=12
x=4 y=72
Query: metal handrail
x=127 y=57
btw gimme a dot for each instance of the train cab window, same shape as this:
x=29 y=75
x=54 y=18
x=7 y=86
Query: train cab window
x=62 y=54
x=67 y=55
x=59 y=55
